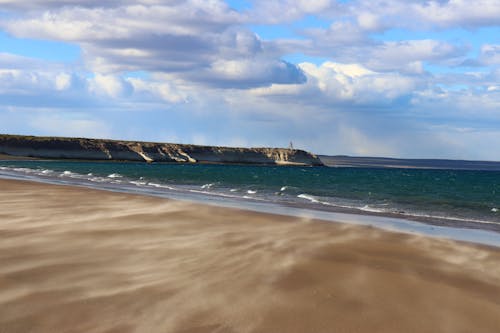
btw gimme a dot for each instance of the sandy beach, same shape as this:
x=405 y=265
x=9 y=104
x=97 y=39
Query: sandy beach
x=81 y=260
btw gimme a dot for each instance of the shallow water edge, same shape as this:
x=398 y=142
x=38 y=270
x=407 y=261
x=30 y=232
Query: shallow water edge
x=464 y=231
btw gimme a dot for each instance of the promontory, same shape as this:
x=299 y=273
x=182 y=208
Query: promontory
x=118 y=150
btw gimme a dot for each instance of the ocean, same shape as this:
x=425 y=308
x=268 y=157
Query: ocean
x=462 y=198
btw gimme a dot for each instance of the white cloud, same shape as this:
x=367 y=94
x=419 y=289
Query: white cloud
x=339 y=33
x=349 y=70
x=369 y=21
x=339 y=83
x=110 y=85
x=15 y=80
x=63 y=81
x=490 y=54
x=160 y=89
x=313 y=6
x=404 y=54
x=374 y=14
x=279 y=11
x=458 y=12
x=156 y=37
x=57 y=86
x=346 y=42
x=249 y=72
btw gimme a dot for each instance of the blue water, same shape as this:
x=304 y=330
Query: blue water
x=461 y=195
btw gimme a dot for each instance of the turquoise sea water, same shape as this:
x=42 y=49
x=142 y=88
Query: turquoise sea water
x=448 y=195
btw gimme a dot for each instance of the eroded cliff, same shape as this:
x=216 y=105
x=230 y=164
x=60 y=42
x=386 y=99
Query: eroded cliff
x=97 y=149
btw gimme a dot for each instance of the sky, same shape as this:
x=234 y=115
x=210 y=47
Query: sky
x=394 y=78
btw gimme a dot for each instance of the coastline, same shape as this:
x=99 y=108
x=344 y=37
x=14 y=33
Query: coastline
x=480 y=232
x=78 y=260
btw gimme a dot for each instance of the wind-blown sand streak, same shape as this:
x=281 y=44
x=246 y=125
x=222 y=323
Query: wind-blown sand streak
x=81 y=260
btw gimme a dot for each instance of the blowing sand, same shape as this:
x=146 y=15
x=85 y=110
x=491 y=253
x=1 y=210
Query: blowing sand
x=81 y=260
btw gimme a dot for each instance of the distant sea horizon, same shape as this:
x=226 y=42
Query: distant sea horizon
x=395 y=162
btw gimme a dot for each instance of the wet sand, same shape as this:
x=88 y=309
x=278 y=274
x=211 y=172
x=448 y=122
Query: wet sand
x=82 y=260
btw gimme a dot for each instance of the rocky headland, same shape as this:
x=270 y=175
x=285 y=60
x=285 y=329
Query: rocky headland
x=117 y=150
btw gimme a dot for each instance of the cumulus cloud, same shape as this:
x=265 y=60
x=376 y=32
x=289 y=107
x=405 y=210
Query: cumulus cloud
x=369 y=21
x=410 y=54
x=110 y=85
x=77 y=23
x=58 y=86
x=339 y=34
x=458 y=12
x=347 y=42
x=156 y=37
x=374 y=15
x=25 y=83
x=340 y=83
x=245 y=73
x=279 y=11
x=161 y=89
x=63 y=81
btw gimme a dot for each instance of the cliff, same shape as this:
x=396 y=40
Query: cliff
x=98 y=149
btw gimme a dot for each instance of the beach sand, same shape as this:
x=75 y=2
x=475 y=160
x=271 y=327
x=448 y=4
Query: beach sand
x=82 y=260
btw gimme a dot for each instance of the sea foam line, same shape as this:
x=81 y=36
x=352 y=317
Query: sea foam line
x=367 y=208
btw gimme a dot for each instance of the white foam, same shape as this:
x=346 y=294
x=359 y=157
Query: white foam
x=494 y=210
x=115 y=175
x=367 y=208
x=138 y=183
x=98 y=179
x=308 y=197
x=313 y=199
x=207 y=186
x=25 y=170
x=66 y=173
x=211 y=194
x=251 y=192
x=160 y=186
x=283 y=188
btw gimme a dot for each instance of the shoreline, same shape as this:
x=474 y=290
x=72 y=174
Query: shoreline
x=301 y=200
x=474 y=232
x=77 y=260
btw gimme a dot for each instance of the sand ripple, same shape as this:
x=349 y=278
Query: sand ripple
x=75 y=260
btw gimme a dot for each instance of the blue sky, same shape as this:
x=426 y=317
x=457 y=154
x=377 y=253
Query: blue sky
x=381 y=78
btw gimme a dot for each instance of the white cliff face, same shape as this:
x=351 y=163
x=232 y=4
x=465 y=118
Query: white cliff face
x=95 y=149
